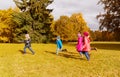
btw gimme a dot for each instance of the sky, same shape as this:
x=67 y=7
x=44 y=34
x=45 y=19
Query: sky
x=88 y=8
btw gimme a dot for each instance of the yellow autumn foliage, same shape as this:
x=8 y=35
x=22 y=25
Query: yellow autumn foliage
x=68 y=27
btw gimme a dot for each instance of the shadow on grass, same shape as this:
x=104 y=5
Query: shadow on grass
x=107 y=46
x=67 y=54
x=22 y=52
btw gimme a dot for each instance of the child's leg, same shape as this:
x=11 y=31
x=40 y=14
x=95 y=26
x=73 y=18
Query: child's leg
x=31 y=50
x=81 y=54
x=93 y=48
x=57 y=50
x=25 y=49
x=87 y=55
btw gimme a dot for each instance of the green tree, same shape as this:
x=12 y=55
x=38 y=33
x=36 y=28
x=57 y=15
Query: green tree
x=111 y=17
x=34 y=18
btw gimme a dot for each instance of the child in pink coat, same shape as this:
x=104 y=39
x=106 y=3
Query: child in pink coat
x=79 y=45
x=86 y=45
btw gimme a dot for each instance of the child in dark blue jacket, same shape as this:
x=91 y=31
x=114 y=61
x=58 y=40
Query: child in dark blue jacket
x=27 y=42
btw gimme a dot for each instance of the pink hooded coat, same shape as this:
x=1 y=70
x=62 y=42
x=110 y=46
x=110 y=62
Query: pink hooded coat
x=79 y=45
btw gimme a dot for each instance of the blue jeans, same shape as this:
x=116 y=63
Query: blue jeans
x=29 y=49
x=86 y=54
x=80 y=53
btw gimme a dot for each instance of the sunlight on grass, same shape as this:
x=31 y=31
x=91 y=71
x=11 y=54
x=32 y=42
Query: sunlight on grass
x=45 y=63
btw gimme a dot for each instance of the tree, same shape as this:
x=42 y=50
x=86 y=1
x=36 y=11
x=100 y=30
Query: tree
x=36 y=18
x=68 y=27
x=77 y=24
x=92 y=35
x=111 y=18
x=61 y=27
x=98 y=36
x=5 y=25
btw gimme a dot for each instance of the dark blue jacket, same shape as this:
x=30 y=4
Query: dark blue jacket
x=27 y=43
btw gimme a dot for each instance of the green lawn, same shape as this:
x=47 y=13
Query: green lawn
x=45 y=63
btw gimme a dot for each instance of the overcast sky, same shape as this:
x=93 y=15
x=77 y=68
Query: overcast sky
x=88 y=8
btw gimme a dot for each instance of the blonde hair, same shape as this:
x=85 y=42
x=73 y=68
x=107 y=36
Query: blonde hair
x=27 y=36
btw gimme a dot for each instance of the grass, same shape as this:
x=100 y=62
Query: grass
x=45 y=63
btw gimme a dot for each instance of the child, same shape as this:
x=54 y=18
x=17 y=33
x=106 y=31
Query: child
x=27 y=42
x=79 y=44
x=86 y=45
x=59 y=45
